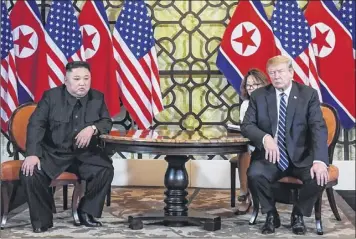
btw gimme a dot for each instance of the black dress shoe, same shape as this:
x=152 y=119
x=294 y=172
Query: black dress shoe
x=88 y=220
x=272 y=222
x=93 y=220
x=298 y=226
x=42 y=229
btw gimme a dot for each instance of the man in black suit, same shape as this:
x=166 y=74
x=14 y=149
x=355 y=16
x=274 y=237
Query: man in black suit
x=62 y=135
x=285 y=123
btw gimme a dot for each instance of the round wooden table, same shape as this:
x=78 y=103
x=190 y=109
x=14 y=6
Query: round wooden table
x=177 y=145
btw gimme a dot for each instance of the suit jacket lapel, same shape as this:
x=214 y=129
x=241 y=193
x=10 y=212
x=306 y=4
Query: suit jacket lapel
x=292 y=104
x=272 y=108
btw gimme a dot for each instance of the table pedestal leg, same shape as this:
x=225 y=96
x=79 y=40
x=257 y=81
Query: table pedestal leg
x=176 y=213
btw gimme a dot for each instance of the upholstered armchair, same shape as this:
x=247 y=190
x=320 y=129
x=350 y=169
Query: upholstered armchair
x=10 y=169
x=286 y=189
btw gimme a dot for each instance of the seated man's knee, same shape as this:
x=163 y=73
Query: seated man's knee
x=26 y=179
x=255 y=171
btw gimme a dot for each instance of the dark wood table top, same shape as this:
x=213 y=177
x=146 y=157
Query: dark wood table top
x=176 y=142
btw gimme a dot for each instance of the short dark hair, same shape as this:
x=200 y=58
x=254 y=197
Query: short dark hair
x=77 y=64
x=260 y=78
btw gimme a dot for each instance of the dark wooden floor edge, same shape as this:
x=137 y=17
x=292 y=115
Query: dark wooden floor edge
x=345 y=208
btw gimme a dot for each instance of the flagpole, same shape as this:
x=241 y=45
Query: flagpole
x=43 y=11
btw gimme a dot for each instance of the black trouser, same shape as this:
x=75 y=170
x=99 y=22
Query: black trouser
x=262 y=174
x=40 y=200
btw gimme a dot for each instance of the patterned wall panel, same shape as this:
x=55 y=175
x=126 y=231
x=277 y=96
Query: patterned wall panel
x=195 y=94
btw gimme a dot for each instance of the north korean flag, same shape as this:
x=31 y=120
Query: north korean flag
x=332 y=44
x=98 y=51
x=30 y=50
x=248 y=42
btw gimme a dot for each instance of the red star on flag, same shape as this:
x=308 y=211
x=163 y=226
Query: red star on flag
x=320 y=39
x=88 y=40
x=23 y=41
x=246 y=38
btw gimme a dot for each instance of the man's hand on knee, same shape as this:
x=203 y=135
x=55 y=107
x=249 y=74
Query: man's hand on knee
x=321 y=173
x=29 y=164
x=271 y=148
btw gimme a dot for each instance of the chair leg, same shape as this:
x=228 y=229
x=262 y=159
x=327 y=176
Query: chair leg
x=77 y=194
x=317 y=209
x=233 y=167
x=256 y=208
x=108 y=197
x=65 y=197
x=6 y=188
x=330 y=194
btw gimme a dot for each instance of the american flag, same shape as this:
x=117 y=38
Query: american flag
x=293 y=38
x=9 y=98
x=63 y=39
x=348 y=16
x=134 y=51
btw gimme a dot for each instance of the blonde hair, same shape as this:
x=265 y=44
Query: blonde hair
x=276 y=60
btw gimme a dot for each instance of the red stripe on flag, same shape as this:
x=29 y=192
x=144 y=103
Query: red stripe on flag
x=132 y=69
x=4 y=125
x=145 y=67
x=156 y=96
x=133 y=113
x=134 y=94
x=154 y=66
x=51 y=54
x=304 y=68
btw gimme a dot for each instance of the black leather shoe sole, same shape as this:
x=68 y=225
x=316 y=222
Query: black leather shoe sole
x=271 y=228
x=300 y=230
x=266 y=231
x=42 y=229
x=87 y=220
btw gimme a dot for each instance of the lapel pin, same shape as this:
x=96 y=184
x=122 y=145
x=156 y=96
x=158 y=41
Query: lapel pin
x=295 y=97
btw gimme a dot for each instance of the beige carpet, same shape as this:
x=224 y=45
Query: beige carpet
x=129 y=201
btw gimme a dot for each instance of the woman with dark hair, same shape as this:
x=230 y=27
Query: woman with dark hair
x=253 y=80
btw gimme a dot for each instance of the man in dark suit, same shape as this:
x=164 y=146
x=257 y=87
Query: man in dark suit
x=62 y=135
x=285 y=123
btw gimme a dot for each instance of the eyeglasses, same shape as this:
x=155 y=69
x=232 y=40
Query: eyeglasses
x=252 y=86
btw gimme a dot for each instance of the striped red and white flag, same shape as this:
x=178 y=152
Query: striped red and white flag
x=293 y=38
x=63 y=39
x=137 y=69
x=9 y=98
